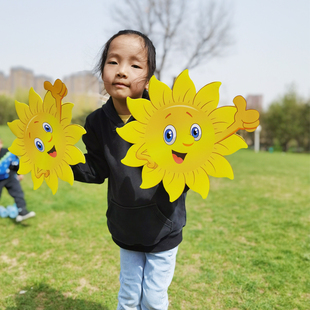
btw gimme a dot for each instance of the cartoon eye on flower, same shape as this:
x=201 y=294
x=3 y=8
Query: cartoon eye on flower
x=45 y=138
x=180 y=137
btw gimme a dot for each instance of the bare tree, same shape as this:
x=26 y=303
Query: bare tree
x=186 y=33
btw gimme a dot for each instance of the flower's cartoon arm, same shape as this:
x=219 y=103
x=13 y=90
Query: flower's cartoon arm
x=58 y=91
x=143 y=155
x=40 y=172
x=244 y=119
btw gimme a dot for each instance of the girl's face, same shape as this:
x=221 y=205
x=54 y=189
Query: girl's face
x=125 y=70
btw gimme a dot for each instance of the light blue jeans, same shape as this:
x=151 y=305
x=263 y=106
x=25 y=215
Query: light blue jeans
x=144 y=279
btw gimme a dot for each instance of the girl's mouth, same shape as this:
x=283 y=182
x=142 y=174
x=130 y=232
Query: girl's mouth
x=120 y=85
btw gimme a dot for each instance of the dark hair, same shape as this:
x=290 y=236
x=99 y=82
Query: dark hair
x=151 y=53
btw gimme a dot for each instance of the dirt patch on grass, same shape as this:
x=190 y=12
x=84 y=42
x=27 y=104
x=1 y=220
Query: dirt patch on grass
x=84 y=283
x=243 y=240
x=12 y=262
x=15 y=242
x=46 y=254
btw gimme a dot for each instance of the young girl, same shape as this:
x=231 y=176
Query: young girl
x=142 y=222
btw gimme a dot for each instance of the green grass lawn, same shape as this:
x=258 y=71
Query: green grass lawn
x=247 y=246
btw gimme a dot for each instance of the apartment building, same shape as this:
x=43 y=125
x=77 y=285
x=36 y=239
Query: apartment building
x=85 y=91
x=255 y=102
x=22 y=79
x=84 y=88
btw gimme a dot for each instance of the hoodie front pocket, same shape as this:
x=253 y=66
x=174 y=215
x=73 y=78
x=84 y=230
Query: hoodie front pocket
x=144 y=225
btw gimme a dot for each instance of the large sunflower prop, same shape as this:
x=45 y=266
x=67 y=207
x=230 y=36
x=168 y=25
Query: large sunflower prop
x=45 y=138
x=180 y=137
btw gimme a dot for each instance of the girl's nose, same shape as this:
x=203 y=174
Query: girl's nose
x=122 y=72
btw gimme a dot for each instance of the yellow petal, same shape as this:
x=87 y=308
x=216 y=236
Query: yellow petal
x=230 y=145
x=52 y=182
x=198 y=181
x=25 y=165
x=66 y=113
x=132 y=132
x=23 y=112
x=17 y=147
x=184 y=89
x=131 y=159
x=74 y=133
x=49 y=103
x=35 y=102
x=222 y=118
x=73 y=155
x=218 y=166
x=151 y=177
x=160 y=93
x=174 y=184
x=141 y=109
x=208 y=97
x=65 y=173
x=17 y=127
x=37 y=182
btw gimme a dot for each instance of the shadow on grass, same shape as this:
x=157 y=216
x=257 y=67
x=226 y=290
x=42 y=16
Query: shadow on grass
x=43 y=297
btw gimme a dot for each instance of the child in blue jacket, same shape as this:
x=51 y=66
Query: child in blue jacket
x=9 y=164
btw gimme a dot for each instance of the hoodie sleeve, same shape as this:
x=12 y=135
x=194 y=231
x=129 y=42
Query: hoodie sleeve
x=96 y=168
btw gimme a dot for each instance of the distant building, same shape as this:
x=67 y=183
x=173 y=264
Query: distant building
x=255 y=102
x=3 y=82
x=82 y=82
x=20 y=78
x=38 y=85
x=84 y=88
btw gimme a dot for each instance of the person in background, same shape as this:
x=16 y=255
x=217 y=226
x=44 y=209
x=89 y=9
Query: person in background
x=9 y=179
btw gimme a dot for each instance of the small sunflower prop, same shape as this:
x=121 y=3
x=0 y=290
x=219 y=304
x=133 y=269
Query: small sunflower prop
x=45 y=138
x=180 y=137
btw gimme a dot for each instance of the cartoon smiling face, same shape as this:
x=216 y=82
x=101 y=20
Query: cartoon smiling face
x=45 y=137
x=178 y=138
x=44 y=140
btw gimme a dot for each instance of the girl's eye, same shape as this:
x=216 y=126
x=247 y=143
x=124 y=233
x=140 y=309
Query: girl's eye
x=39 y=144
x=112 y=63
x=196 y=131
x=170 y=135
x=47 y=127
x=136 y=66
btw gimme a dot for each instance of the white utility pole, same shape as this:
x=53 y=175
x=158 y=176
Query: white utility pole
x=256 y=138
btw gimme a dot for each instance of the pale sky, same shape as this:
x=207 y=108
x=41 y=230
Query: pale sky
x=61 y=37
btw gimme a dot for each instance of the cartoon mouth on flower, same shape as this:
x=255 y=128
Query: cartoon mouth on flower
x=191 y=123
x=178 y=157
x=38 y=125
x=52 y=152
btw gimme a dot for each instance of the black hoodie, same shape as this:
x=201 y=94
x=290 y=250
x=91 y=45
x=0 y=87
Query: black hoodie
x=138 y=219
